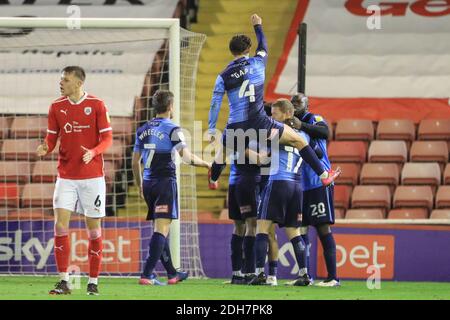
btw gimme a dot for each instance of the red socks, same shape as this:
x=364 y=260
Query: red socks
x=62 y=252
x=95 y=256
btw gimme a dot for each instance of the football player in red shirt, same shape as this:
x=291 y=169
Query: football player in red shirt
x=82 y=124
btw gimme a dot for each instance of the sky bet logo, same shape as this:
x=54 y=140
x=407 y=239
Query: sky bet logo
x=120 y=250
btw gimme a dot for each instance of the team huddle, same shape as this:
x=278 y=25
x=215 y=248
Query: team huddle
x=281 y=176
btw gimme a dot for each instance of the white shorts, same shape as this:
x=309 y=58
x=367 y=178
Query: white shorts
x=86 y=196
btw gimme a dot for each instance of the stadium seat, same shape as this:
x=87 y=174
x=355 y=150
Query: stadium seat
x=15 y=171
x=380 y=173
x=30 y=214
x=396 y=129
x=409 y=213
x=38 y=195
x=9 y=195
x=115 y=153
x=434 y=129
x=443 y=197
x=365 y=214
x=339 y=213
x=349 y=175
x=347 y=151
x=428 y=151
x=123 y=128
x=440 y=214
x=28 y=127
x=354 y=129
x=413 y=196
x=447 y=174
x=20 y=149
x=388 y=151
x=4 y=127
x=421 y=173
x=342 y=196
x=45 y=171
x=371 y=197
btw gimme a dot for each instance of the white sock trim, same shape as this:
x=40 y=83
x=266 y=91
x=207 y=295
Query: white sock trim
x=93 y=280
x=64 y=276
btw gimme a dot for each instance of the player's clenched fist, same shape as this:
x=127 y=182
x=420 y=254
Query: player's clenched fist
x=42 y=149
x=256 y=19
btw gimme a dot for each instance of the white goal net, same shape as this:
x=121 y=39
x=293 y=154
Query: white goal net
x=126 y=61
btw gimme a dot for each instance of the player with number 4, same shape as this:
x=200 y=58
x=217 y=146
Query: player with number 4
x=243 y=81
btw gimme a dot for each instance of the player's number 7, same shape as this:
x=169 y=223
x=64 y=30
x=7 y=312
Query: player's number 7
x=151 y=147
x=249 y=93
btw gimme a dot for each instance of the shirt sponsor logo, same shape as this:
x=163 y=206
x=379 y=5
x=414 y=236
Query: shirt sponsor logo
x=162 y=209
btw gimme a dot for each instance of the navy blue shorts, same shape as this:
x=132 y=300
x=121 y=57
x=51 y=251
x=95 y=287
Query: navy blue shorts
x=161 y=196
x=282 y=203
x=269 y=127
x=318 y=207
x=243 y=199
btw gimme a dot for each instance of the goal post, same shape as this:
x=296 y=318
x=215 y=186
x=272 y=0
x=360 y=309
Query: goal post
x=166 y=31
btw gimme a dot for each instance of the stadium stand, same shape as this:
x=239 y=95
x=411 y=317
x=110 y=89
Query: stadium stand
x=421 y=174
x=9 y=195
x=427 y=151
x=347 y=151
x=38 y=195
x=443 y=197
x=447 y=174
x=440 y=214
x=365 y=214
x=408 y=213
x=388 y=151
x=354 y=129
x=28 y=127
x=396 y=129
x=371 y=197
x=44 y=171
x=434 y=129
x=413 y=196
x=15 y=171
x=380 y=173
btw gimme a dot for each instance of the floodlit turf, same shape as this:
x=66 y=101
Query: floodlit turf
x=32 y=288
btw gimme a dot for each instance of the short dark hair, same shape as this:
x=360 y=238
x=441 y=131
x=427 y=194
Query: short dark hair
x=239 y=44
x=161 y=101
x=77 y=71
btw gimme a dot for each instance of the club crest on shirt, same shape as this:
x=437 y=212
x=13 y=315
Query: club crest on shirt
x=87 y=111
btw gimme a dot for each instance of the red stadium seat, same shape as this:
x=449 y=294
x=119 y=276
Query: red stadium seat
x=413 y=196
x=447 y=174
x=421 y=173
x=25 y=214
x=429 y=151
x=38 y=195
x=396 y=129
x=434 y=129
x=409 y=213
x=380 y=173
x=20 y=149
x=440 y=214
x=347 y=151
x=349 y=175
x=342 y=196
x=354 y=129
x=4 y=127
x=15 y=171
x=29 y=127
x=443 y=197
x=45 y=171
x=123 y=128
x=9 y=195
x=339 y=213
x=388 y=151
x=371 y=197
x=365 y=214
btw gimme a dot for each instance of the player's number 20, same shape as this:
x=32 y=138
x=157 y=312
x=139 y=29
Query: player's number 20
x=243 y=92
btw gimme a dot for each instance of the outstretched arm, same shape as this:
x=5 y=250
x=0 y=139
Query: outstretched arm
x=261 y=50
x=188 y=157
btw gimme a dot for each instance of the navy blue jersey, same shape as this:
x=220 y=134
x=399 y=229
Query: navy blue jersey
x=240 y=167
x=156 y=141
x=286 y=162
x=243 y=81
x=310 y=179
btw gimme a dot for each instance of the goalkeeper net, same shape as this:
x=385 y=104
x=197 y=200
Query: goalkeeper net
x=124 y=67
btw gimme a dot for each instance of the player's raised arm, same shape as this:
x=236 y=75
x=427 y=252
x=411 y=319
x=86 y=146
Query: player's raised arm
x=216 y=103
x=261 y=50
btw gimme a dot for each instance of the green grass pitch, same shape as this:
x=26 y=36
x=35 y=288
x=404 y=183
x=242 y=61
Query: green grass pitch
x=36 y=288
